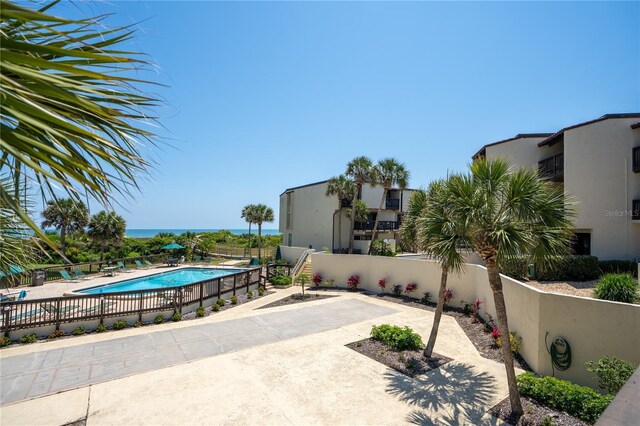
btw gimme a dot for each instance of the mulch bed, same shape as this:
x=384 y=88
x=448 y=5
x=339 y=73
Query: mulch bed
x=410 y=363
x=475 y=331
x=296 y=298
x=534 y=414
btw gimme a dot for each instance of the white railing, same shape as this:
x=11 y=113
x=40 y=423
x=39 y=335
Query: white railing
x=300 y=264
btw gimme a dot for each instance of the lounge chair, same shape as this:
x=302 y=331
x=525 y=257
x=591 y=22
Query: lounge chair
x=254 y=262
x=207 y=260
x=197 y=259
x=21 y=296
x=79 y=274
x=68 y=278
x=51 y=309
x=141 y=266
x=149 y=264
x=123 y=268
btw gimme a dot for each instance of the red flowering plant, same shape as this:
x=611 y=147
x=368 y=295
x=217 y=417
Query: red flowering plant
x=475 y=308
x=382 y=283
x=316 y=279
x=353 y=282
x=495 y=333
x=448 y=295
x=410 y=288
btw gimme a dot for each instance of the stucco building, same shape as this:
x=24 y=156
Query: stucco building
x=598 y=164
x=309 y=218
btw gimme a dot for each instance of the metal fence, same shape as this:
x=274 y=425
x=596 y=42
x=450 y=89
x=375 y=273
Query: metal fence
x=52 y=273
x=241 y=252
x=67 y=309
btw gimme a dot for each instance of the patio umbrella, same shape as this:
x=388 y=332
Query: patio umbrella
x=172 y=246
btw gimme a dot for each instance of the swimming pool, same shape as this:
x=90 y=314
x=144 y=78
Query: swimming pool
x=174 y=278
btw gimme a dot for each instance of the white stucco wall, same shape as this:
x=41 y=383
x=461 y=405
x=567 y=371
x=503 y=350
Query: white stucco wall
x=598 y=175
x=522 y=151
x=292 y=254
x=593 y=328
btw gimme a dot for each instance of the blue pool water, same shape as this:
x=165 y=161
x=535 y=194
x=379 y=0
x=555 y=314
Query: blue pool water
x=166 y=279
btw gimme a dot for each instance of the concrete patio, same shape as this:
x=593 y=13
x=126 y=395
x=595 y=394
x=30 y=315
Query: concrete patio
x=283 y=365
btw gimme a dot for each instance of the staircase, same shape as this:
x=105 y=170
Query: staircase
x=306 y=269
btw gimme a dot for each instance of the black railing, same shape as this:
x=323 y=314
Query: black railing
x=274 y=269
x=636 y=159
x=383 y=225
x=52 y=273
x=346 y=203
x=392 y=204
x=68 y=309
x=635 y=210
x=552 y=168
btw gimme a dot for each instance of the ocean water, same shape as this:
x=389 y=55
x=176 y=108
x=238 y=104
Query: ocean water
x=150 y=233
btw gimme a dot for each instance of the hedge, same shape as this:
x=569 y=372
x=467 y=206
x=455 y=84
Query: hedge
x=619 y=267
x=571 y=268
x=515 y=267
x=579 y=401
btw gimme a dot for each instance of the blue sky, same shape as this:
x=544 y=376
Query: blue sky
x=265 y=96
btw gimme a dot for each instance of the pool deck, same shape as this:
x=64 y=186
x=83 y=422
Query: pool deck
x=60 y=288
x=296 y=370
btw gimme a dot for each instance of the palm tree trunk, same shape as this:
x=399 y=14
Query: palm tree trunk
x=339 y=226
x=353 y=216
x=503 y=326
x=428 y=351
x=260 y=240
x=375 y=225
x=249 y=239
x=63 y=237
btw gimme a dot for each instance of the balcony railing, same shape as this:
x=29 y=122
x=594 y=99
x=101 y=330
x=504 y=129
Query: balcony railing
x=635 y=210
x=552 y=168
x=346 y=203
x=636 y=159
x=383 y=225
x=392 y=204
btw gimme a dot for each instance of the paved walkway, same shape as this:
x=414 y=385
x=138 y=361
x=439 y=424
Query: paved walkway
x=40 y=373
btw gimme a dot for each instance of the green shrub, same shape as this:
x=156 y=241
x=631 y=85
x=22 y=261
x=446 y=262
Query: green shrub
x=617 y=287
x=250 y=294
x=29 y=338
x=234 y=300
x=514 y=338
x=79 y=331
x=159 y=319
x=215 y=308
x=380 y=248
x=101 y=328
x=580 y=401
x=200 y=311
x=176 y=317
x=221 y=302
x=260 y=291
x=280 y=280
x=515 y=267
x=56 y=334
x=5 y=341
x=618 y=267
x=397 y=338
x=120 y=324
x=571 y=268
x=611 y=373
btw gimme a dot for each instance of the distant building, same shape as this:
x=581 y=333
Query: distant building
x=309 y=218
x=598 y=164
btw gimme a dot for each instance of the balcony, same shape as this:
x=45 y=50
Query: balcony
x=635 y=210
x=636 y=159
x=392 y=204
x=346 y=203
x=552 y=168
x=383 y=225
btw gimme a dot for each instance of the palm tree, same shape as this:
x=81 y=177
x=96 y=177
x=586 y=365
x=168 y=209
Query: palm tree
x=106 y=229
x=507 y=213
x=67 y=216
x=388 y=172
x=15 y=238
x=437 y=234
x=360 y=170
x=342 y=188
x=247 y=214
x=72 y=116
x=261 y=213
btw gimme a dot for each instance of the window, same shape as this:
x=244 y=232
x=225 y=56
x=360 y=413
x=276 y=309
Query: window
x=289 y=194
x=290 y=240
x=581 y=244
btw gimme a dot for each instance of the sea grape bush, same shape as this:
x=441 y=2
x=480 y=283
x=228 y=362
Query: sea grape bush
x=611 y=373
x=397 y=338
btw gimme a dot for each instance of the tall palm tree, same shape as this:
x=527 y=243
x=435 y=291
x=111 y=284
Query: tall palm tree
x=247 y=214
x=506 y=213
x=66 y=215
x=15 y=239
x=72 y=114
x=439 y=235
x=342 y=188
x=261 y=213
x=106 y=229
x=360 y=170
x=388 y=172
